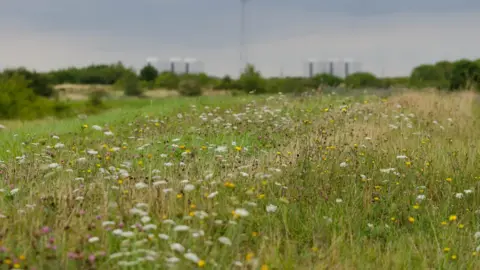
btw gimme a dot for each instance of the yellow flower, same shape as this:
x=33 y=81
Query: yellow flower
x=408 y=163
x=261 y=196
x=191 y=214
x=238 y=148
x=461 y=226
x=454 y=257
x=22 y=257
x=314 y=249
x=120 y=181
x=179 y=195
x=16 y=266
x=85 y=126
x=193 y=206
x=449 y=179
x=201 y=263
x=452 y=218
x=416 y=206
x=447 y=249
x=229 y=184
x=7 y=261
x=411 y=219
x=182 y=147
x=254 y=234
x=393 y=219
x=264 y=267
x=249 y=256
x=204 y=147
x=444 y=223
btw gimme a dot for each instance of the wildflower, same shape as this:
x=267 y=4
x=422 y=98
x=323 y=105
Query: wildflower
x=172 y=260
x=477 y=235
x=238 y=148
x=201 y=263
x=212 y=195
x=343 y=164
x=249 y=256
x=271 y=208
x=181 y=228
x=420 y=197
x=264 y=267
x=338 y=200
x=163 y=236
x=452 y=218
x=241 y=212
x=224 y=240
x=447 y=249
x=411 y=219
x=93 y=239
x=449 y=179
x=189 y=187
x=459 y=195
x=416 y=206
x=454 y=257
x=177 y=247
x=192 y=257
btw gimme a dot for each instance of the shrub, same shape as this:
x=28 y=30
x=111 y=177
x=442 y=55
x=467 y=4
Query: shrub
x=130 y=85
x=18 y=100
x=148 y=73
x=362 y=80
x=38 y=82
x=190 y=87
x=167 y=80
x=251 y=81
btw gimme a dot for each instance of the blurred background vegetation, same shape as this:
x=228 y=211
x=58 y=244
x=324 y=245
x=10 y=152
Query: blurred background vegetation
x=27 y=94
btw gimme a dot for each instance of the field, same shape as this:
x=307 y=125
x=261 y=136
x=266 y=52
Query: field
x=251 y=182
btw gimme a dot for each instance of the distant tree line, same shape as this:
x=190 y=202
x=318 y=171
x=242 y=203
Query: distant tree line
x=27 y=93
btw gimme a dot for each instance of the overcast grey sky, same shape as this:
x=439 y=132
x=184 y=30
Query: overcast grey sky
x=386 y=36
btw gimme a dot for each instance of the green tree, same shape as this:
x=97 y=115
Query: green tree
x=325 y=79
x=190 y=87
x=167 y=80
x=18 y=100
x=148 y=73
x=38 y=82
x=362 y=80
x=130 y=85
x=465 y=75
x=251 y=80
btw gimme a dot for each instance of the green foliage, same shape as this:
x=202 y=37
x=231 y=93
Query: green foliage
x=93 y=74
x=465 y=75
x=430 y=76
x=148 y=73
x=130 y=85
x=362 y=80
x=190 y=87
x=18 y=100
x=326 y=79
x=227 y=83
x=167 y=80
x=251 y=80
x=38 y=82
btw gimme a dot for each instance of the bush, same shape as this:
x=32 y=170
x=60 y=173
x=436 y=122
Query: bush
x=148 y=73
x=167 y=80
x=325 y=79
x=130 y=85
x=190 y=87
x=251 y=81
x=38 y=82
x=362 y=80
x=18 y=100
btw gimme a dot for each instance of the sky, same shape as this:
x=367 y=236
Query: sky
x=386 y=37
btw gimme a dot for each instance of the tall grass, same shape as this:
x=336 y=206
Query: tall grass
x=318 y=182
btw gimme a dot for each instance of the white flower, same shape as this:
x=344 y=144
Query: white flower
x=338 y=200
x=145 y=219
x=59 y=145
x=141 y=185
x=168 y=221
x=420 y=197
x=271 y=208
x=192 y=257
x=241 y=212
x=388 y=170
x=107 y=223
x=468 y=191
x=172 y=260
x=401 y=157
x=224 y=240
x=244 y=174
x=108 y=133
x=53 y=165
x=149 y=227
x=117 y=231
x=221 y=149
x=343 y=164
x=96 y=127
x=189 y=187
x=181 y=228
x=212 y=195
x=127 y=234
x=163 y=236
x=93 y=239
x=459 y=195
x=92 y=152
x=177 y=247
x=13 y=191
x=168 y=164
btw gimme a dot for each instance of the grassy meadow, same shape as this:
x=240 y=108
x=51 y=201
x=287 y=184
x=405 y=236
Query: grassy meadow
x=249 y=182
